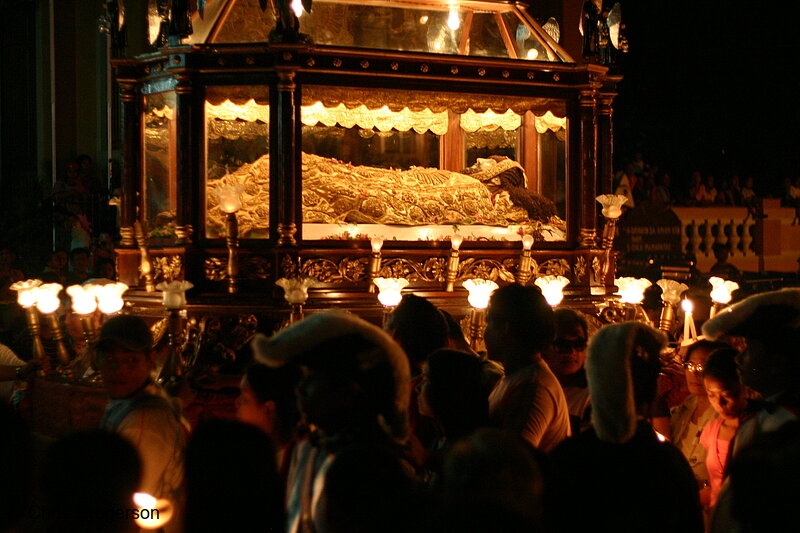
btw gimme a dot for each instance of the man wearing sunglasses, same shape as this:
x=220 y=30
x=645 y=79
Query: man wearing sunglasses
x=566 y=359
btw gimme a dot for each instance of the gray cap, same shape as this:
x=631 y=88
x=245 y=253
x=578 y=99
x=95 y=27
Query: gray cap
x=767 y=316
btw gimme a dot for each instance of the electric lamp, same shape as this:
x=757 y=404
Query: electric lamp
x=671 y=291
x=721 y=293
x=376 y=243
x=523 y=274
x=480 y=291
x=48 y=302
x=230 y=201
x=109 y=297
x=389 y=290
x=451 y=273
x=295 y=291
x=631 y=290
x=84 y=303
x=552 y=288
x=27 y=292
x=174 y=296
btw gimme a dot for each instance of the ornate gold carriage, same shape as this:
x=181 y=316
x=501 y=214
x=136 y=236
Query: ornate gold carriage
x=404 y=121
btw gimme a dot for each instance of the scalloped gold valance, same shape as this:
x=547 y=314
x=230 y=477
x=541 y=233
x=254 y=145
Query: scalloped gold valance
x=381 y=119
x=397 y=99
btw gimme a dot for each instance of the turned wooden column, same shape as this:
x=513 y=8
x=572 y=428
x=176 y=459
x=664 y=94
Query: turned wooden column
x=587 y=123
x=605 y=141
x=130 y=122
x=285 y=184
x=186 y=153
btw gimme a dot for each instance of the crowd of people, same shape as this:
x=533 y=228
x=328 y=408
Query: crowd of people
x=646 y=183
x=343 y=426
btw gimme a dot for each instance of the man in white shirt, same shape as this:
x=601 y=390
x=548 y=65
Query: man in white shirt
x=528 y=401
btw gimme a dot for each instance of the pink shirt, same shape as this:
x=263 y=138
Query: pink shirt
x=717 y=456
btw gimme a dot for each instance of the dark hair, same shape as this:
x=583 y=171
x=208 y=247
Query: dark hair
x=706 y=345
x=277 y=385
x=128 y=332
x=418 y=327
x=566 y=320
x=454 y=331
x=528 y=315
x=89 y=474
x=232 y=480
x=456 y=392
x=721 y=365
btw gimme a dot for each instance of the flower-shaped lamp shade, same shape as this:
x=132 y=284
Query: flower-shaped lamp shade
x=721 y=289
x=295 y=290
x=174 y=293
x=527 y=241
x=631 y=290
x=456 y=240
x=26 y=291
x=47 y=300
x=230 y=197
x=612 y=204
x=671 y=290
x=376 y=243
x=84 y=301
x=154 y=513
x=109 y=297
x=552 y=288
x=480 y=290
x=389 y=290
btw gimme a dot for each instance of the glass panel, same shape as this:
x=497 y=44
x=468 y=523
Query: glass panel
x=485 y=38
x=527 y=44
x=160 y=166
x=377 y=167
x=237 y=155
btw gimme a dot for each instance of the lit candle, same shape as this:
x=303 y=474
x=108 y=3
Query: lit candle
x=153 y=513
x=688 y=321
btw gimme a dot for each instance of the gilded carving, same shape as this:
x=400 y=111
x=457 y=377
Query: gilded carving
x=432 y=269
x=328 y=271
x=554 y=267
x=580 y=269
x=215 y=268
x=490 y=269
x=167 y=267
x=597 y=269
x=255 y=267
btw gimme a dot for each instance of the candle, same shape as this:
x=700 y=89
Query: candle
x=688 y=321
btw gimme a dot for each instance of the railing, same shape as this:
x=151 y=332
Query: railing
x=703 y=227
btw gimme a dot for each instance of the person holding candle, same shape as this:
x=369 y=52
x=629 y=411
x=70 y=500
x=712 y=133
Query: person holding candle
x=728 y=399
x=688 y=419
x=140 y=410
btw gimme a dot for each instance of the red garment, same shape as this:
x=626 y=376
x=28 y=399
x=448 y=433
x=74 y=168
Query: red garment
x=716 y=457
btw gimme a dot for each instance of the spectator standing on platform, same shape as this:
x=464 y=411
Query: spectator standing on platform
x=708 y=194
x=662 y=195
x=749 y=196
x=79 y=261
x=55 y=271
x=140 y=410
x=697 y=190
x=528 y=402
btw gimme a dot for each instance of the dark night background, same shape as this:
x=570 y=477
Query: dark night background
x=711 y=85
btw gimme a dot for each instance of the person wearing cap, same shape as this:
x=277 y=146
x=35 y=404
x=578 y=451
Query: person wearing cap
x=528 y=401
x=618 y=474
x=354 y=395
x=140 y=410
